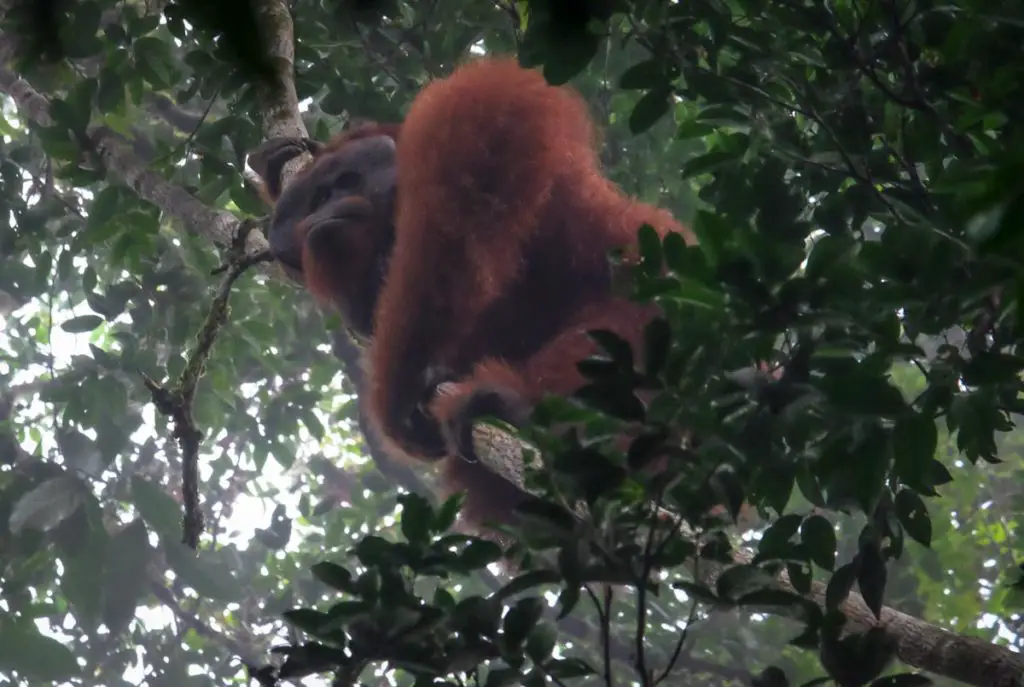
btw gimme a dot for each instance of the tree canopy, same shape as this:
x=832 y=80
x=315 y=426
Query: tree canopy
x=186 y=492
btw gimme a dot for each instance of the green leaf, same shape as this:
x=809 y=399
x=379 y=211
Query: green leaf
x=649 y=109
x=740 y=580
x=306 y=619
x=691 y=128
x=696 y=294
x=126 y=582
x=57 y=142
x=649 y=74
x=725 y=484
x=47 y=505
x=79 y=34
x=37 y=659
x=540 y=643
x=525 y=581
x=447 y=513
x=708 y=162
x=334 y=576
x=477 y=615
x=83 y=583
x=991 y=367
x=535 y=678
x=247 y=200
x=872 y=575
x=569 y=54
x=939 y=474
x=207 y=572
x=858 y=657
x=417 y=516
x=723 y=115
x=915 y=439
x=154 y=61
x=657 y=344
x=649 y=244
x=501 y=677
x=853 y=389
x=110 y=97
x=443 y=599
x=775 y=540
x=698 y=591
x=683 y=259
x=913 y=515
x=617 y=348
x=343 y=613
x=105 y=205
x=903 y=680
x=82 y=324
x=313 y=424
x=568 y=598
x=375 y=551
x=713 y=232
x=276 y=536
x=800 y=576
x=80 y=101
x=158 y=509
x=819 y=538
x=784 y=601
x=571 y=557
x=618 y=401
x=997 y=229
x=773 y=676
x=479 y=554
x=569 y=668
x=840 y=585
x=521 y=619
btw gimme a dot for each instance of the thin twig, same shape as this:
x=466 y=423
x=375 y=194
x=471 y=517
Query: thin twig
x=640 y=659
x=178 y=402
x=691 y=618
x=604 y=620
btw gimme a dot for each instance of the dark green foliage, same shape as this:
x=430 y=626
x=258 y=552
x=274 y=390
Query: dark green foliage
x=811 y=135
x=853 y=173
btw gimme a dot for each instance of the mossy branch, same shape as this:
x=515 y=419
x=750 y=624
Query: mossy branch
x=177 y=402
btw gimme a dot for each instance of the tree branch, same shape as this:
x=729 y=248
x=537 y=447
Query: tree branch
x=177 y=403
x=280 y=102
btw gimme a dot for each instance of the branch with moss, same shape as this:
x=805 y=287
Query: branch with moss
x=177 y=402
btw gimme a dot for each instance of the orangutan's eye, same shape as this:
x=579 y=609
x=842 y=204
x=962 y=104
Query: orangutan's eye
x=321 y=196
x=348 y=181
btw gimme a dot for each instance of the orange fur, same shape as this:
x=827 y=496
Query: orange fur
x=498 y=265
x=518 y=389
x=340 y=278
x=333 y=225
x=503 y=228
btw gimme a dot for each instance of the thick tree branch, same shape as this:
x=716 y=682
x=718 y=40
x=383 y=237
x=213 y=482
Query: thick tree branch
x=280 y=103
